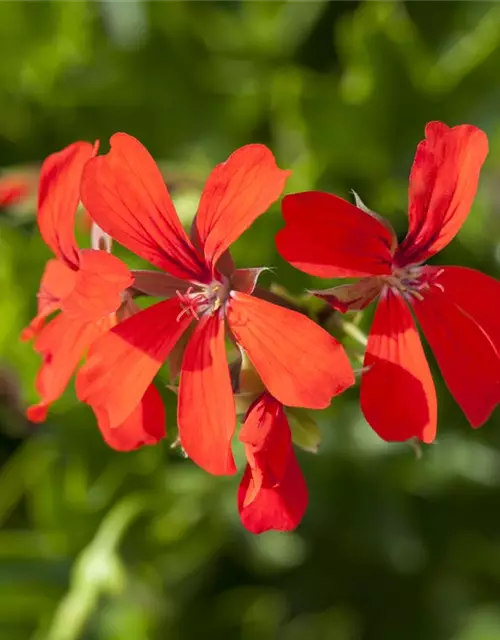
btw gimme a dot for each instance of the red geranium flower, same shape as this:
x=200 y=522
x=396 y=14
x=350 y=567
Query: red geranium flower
x=88 y=287
x=328 y=237
x=273 y=492
x=298 y=362
x=13 y=189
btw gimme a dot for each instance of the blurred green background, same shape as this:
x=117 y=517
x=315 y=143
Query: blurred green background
x=97 y=545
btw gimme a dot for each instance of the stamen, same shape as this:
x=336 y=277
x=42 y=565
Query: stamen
x=408 y=283
x=188 y=303
x=202 y=299
x=415 y=294
x=184 y=312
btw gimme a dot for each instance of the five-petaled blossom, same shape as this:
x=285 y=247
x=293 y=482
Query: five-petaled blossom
x=88 y=287
x=327 y=236
x=299 y=363
x=272 y=492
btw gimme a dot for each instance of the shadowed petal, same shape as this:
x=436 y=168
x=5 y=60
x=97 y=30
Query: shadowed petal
x=329 y=237
x=58 y=198
x=176 y=356
x=62 y=344
x=398 y=397
x=125 y=194
x=443 y=184
x=101 y=280
x=236 y=193
x=123 y=362
x=206 y=412
x=280 y=507
x=465 y=354
x=144 y=426
x=267 y=439
x=300 y=363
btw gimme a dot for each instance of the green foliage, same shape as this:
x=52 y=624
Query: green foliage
x=96 y=545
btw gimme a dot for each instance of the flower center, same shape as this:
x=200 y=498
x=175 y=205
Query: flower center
x=203 y=299
x=410 y=281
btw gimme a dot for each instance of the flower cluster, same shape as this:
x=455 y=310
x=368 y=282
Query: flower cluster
x=212 y=321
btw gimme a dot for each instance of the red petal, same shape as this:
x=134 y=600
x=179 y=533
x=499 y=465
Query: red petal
x=101 y=280
x=37 y=412
x=475 y=293
x=443 y=184
x=206 y=414
x=13 y=189
x=268 y=441
x=57 y=282
x=398 y=397
x=329 y=237
x=225 y=264
x=144 y=426
x=466 y=356
x=124 y=361
x=58 y=198
x=176 y=356
x=300 y=363
x=125 y=194
x=281 y=507
x=62 y=344
x=236 y=193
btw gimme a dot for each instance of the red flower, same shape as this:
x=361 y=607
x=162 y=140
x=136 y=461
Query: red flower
x=13 y=189
x=273 y=492
x=88 y=287
x=328 y=237
x=298 y=362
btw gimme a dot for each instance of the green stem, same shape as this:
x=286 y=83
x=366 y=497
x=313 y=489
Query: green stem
x=352 y=331
x=97 y=570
